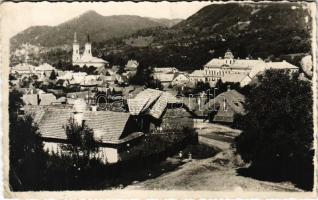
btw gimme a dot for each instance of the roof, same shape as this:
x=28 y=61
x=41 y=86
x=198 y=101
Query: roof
x=46 y=99
x=165 y=69
x=197 y=73
x=247 y=63
x=23 y=67
x=238 y=63
x=233 y=98
x=107 y=126
x=30 y=99
x=280 y=65
x=143 y=100
x=97 y=60
x=164 y=77
x=45 y=67
x=233 y=78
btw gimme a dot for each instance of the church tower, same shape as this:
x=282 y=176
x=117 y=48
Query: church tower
x=87 y=55
x=229 y=58
x=76 y=52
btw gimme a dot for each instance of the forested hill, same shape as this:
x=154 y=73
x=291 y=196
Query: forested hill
x=99 y=27
x=257 y=30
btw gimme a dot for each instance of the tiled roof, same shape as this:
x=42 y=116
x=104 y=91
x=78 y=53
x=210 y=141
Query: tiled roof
x=143 y=100
x=52 y=122
x=107 y=126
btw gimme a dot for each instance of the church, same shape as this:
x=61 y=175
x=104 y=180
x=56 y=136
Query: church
x=86 y=58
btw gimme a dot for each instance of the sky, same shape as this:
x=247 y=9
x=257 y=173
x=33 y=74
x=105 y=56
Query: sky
x=19 y=16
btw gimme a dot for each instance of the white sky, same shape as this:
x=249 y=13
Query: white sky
x=19 y=16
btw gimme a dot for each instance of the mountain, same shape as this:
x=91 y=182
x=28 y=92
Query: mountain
x=99 y=27
x=269 y=31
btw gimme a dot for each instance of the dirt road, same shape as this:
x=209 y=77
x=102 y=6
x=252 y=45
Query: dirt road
x=218 y=173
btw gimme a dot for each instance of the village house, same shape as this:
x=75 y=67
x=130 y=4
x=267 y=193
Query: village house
x=180 y=79
x=165 y=79
x=165 y=70
x=113 y=131
x=224 y=107
x=158 y=111
x=22 y=69
x=86 y=59
x=44 y=69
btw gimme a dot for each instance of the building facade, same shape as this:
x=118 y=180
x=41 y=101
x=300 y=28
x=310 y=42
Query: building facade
x=229 y=69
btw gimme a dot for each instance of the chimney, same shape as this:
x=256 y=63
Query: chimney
x=94 y=108
x=228 y=87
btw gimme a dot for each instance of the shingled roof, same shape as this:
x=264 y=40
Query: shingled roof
x=143 y=100
x=107 y=126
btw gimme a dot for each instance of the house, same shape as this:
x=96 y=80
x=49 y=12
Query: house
x=114 y=132
x=22 y=68
x=46 y=99
x=158 y=111
x=44 y=68
x=165 y=70
x=180 y=79
x=225 y=106
x=131 y=65
x=165 y=79
x=41 y=99
x=197 y=76
x=86 y=59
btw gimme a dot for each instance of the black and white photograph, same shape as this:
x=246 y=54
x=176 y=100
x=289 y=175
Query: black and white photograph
x=159 y=96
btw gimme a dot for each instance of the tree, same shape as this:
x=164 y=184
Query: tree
x=81 y=143
x=52 y=75
x=277 y=131
x=26 y=153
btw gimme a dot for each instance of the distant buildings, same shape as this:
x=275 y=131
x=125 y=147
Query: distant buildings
x=229 y=69
x=86 y=58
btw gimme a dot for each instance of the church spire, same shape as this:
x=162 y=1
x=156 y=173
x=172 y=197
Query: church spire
x=75 y=37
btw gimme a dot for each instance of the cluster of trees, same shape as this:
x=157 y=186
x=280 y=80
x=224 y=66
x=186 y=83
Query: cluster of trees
x=277 y=131
x=144 y=76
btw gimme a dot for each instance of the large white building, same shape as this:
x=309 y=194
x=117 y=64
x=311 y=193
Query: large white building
x=229 y=69
x=86 y=58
